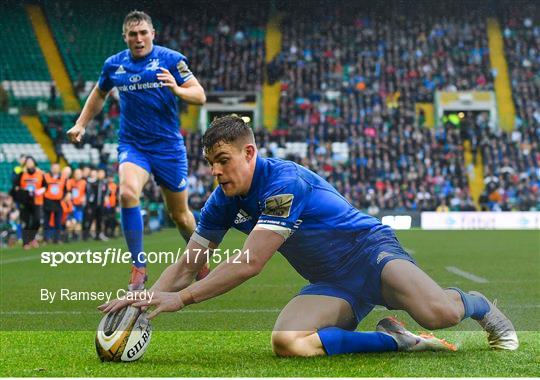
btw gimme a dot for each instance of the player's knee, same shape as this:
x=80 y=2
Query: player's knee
x=290 y=343
x=128 y=195
x=181 y=218
x=283 y=342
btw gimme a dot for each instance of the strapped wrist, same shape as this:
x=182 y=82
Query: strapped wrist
x=186 y=297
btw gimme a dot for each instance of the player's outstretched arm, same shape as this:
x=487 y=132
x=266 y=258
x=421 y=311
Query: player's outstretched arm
x=182 y=273
x=93 y=106
x=175 y=277
x=258 y=249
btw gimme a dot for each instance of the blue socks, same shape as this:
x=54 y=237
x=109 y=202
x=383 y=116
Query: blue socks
x=132 y=227
x=339 y=341
x=475 y=307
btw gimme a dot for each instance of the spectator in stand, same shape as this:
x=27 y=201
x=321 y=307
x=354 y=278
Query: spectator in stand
x=111 y=204
x=96 y=191
x=442 y=207
x=66 y=172
x=77 y=187
x=55 y=185
x=9 y=216
x=28 y=189
x=68 y=221
x=52 y=95
x=17 y=170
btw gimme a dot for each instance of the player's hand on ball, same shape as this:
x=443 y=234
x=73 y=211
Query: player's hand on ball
x=114 y=305
x=118 y=304
x=163 y=301
x=76 y=133
x=167 y=79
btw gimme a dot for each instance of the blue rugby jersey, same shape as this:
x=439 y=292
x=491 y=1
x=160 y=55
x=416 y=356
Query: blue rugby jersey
x=325 y=232
x=149 y=111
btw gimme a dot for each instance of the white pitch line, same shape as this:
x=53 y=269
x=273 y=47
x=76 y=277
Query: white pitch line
x=467 y=275
x=43 y=312
x=204 y=311
x=66 y=312
x=19 y=259
x=409 y=251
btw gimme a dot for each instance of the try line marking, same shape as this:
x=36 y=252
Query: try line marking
x=202 y=311
x=467 y=275
x=19 y=259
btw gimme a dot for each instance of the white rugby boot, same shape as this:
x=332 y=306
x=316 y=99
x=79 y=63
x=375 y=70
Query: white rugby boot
x=501 y=332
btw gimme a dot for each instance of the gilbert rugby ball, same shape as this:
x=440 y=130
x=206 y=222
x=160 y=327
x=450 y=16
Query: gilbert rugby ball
x=123 y=335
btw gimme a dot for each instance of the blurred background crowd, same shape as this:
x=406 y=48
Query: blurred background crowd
x=348 y=74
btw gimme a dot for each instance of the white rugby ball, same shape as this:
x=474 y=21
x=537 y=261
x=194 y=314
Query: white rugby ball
x=123 y=335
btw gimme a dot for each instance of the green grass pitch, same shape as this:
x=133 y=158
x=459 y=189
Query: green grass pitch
x=230 y=335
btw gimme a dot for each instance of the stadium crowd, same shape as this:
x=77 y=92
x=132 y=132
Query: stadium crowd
x=348 y=75
x=355 y=77
x=511 y=169
x=512 y=160
x=225 y=47
x=355 y=67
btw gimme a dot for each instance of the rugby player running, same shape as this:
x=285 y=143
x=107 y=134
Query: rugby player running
x=149 y=79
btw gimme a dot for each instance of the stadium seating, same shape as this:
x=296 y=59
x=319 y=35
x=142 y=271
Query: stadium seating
x=23 y=59
x=86 y=154
x=512 y=159
x=86 y=35
x=23 y=73
x=354 y=65
x=13 y=131
x=225 y=47
x=522 y=48
x=64 y=119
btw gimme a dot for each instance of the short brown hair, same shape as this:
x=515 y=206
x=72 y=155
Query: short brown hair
x=228 y=129
x=136 y=17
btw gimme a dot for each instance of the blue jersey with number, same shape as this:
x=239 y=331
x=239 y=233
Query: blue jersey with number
x=326 y=234
x=149 y=111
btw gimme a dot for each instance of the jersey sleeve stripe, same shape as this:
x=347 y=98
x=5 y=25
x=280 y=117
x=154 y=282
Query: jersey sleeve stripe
x=283 y=231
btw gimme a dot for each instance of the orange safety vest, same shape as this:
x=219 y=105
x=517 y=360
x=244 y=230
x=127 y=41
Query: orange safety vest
x=33 y=182
x=67 y=208
x=112 y=198
x=55 y=187
x=78 y=190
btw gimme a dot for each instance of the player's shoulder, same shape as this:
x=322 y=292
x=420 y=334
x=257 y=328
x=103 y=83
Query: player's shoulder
x=118 y=58
x=276 y=167
x=280 y=173
x=167 y=53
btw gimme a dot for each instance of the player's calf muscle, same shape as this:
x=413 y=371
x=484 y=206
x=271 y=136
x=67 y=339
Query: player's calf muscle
x=183 y=219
